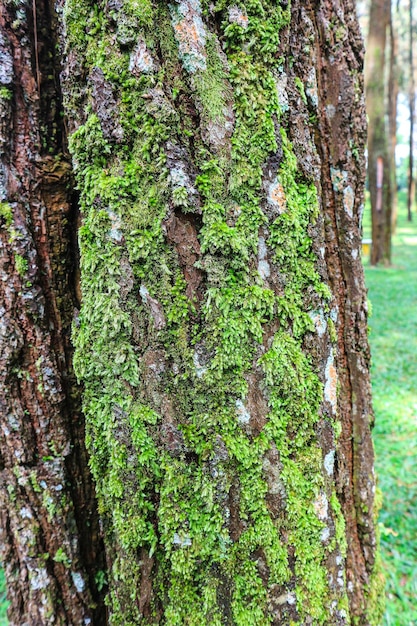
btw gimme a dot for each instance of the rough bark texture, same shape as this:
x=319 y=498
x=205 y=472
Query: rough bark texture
x=393 y=90
x=49 y=524
x=378 y=157
x=221 y=342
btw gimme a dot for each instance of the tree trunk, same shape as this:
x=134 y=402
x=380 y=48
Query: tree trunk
x=412 y=108
x=222 y=342
x=50 y=540
x=379 y=176
x=393 y=89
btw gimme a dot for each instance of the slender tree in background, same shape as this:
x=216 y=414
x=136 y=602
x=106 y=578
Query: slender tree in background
x=412 y=108
x=393 y=90
x=221 y=342
x=379 y=176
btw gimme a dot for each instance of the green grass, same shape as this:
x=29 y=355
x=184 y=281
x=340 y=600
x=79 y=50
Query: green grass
x=3 y=602
x=393 y=337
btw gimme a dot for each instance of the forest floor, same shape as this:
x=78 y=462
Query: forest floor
x=393 y=337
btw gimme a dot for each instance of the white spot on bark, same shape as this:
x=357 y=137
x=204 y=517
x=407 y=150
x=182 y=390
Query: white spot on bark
x=200 y=369
x=141 y=61
x=339 y=560
x=182 y=542
x=6 y=62
x=321 y=505
x=25 y=513
x=355 y=254
x=179 y=177
x=190 y=34
x=243 y=415
x=39 y=579
x=78 y=581
x=311 y=87
x=329 y=462
x=115 y=233
x=319 y=321
x=339 y=179
x=330 y=111
x=325 y=534
x=238 y=16
x=264 y=268
x=330 y=387
x=350 y=586
x=334 y=312
x=349 y=200
x=281 y=85
x=275 y=195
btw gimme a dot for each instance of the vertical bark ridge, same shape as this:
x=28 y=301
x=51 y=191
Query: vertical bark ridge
x=344 y=130
x=50 y=539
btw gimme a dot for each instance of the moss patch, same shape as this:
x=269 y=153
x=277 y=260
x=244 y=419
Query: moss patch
x=166 y=376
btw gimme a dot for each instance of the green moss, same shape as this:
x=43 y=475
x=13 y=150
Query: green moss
x=168 y=496
x=61 y=557
x=21 y=264
x=6 y=214
x=5 y=93
x=299 y=84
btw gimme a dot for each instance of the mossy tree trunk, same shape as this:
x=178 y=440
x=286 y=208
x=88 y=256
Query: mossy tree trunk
x=50 y=541
x=221 y=341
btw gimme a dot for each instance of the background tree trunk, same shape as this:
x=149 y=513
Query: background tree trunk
x=412 y=108
x=221 y=343
x=393 y=89
x=50 y=541
x=379 y=175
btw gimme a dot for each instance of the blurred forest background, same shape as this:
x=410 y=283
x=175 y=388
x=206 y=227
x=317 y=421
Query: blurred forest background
x=390 y=257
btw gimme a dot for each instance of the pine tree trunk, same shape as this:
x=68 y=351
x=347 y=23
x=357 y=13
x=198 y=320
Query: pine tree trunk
x=412 y=108
x=221 y=341
x=393 y=90
x=379 y=176
x=51 y=547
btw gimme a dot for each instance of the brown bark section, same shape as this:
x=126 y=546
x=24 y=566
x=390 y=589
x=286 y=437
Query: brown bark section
x=378 y=156
x=340 y=142
x=51 y=546
x=412 y=108
x=393 y=90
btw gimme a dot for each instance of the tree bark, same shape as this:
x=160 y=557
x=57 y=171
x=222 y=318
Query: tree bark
x=412 y=108
x=221 y=341
x=393 y=90
x=378 y=157
x=50 y=540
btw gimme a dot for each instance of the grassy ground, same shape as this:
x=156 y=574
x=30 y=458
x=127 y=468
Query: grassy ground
x=3 y=601
x=393 y=337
